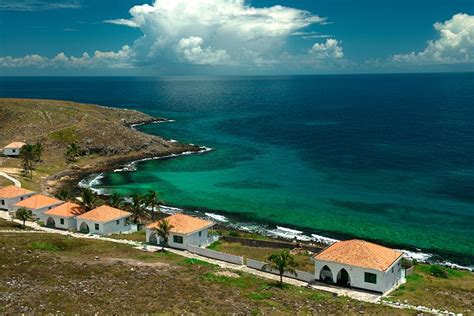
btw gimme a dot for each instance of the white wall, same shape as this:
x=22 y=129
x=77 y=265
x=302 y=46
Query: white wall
x=385 y=280
x=11 y=151
x=7 y=204
x=69 y=222
x=106 y=228
x=193 y=239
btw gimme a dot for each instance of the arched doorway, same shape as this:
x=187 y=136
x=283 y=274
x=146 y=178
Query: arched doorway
x=50 y=222
x=153 y=239
x=343 y=278
x=84 y=228
x=326 y=275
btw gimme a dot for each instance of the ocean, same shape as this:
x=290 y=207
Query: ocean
x=388 y=158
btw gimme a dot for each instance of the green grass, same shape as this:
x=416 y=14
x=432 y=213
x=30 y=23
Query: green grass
x=46 y=246
x=192 y=261
x=66 y=135
x=135 y=236
x=256 y=296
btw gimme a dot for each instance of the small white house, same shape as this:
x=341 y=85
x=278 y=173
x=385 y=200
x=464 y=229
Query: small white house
x=13 y=149
x=11 y=195
x=185 y=230
x=104 y=220
x=62 y=216
x=38 y=204
x=360 y=264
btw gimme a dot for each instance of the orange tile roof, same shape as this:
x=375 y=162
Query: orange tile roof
x=360 y=253
x=66 y=210
x=104 y=214
x=15 y=145
x=183 y=224
x=38 y=201
x=12 y=191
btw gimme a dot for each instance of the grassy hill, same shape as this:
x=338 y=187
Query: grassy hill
x=104 y=133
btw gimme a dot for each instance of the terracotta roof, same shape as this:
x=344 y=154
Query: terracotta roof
x=38 y=201
x=103 y=214
x=360 y=253
x=15 y=145
x=12 y=191
x=66 y=210
x=184 y=224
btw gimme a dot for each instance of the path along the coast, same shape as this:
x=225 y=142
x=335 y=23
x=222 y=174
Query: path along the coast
x=15 y=181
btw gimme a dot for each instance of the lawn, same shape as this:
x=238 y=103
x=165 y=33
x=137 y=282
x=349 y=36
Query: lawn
x=135 y=236
x=9 y=225
x=303 y=261
x=46 y=273
x=438 y=287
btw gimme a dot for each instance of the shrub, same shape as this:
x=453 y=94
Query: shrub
x=233 y=233
x=438 y=271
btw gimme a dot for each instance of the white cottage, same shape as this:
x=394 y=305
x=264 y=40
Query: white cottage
x=62 y=216
x=185 y=230
x=11 y=195
x=13 y=149
x=360 y=264
x=104 y=220
x=38 y=204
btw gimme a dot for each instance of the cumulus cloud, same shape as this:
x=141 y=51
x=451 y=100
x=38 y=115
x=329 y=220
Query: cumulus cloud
x=118 y=59
x=329 y=50
x=454 y=45
x=234 y=32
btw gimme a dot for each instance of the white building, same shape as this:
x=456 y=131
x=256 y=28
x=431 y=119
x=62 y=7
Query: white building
x=13 y=149
x=62 y=216
x=360 y=264
x=185 y=230
x=38 y=204
x=11 y=195
x=104 y=220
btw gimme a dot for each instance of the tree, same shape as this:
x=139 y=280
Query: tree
x=28 y=156
x=72 y=151
x=63 y=195
x=87 y=201
x=116 y=200
x=281 y=261
x=163 y=230
x=38 y=151
x=23 y=214
x=137 y=207
x=152 y=201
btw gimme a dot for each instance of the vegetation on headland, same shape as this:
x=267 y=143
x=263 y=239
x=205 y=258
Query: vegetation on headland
x=46 y=273
x=77 y=139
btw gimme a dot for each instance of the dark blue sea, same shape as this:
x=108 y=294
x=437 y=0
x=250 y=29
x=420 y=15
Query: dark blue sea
x=389 y=158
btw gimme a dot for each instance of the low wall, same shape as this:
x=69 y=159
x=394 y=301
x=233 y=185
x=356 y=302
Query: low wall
x=409 y=271
x=270 y=243
x=300 y=275
x=216 y=255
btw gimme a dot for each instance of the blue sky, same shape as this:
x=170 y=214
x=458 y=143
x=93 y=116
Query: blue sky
x=168 y=37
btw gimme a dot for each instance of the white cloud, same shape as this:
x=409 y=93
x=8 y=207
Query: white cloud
x=38 y=5
x=233 y=32
x=454 y=45
x=329 y=50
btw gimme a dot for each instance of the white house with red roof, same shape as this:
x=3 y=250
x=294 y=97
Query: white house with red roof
x=360 y=264
x=10 y=195
x=62 y=216
x=185 y=230
x=38 y=204
x=13 y=149
x=104 y=220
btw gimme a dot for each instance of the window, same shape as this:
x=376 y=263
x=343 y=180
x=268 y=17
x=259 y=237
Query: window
x=61 y=220
x=117 y=222
x=370 y=278
x=200 y=234
x=177 y=239
x=96 y=226
x=392 y=269
x=14 y=150
x=3 y=202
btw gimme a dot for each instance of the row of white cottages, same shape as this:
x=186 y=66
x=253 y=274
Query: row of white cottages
x=354 y=263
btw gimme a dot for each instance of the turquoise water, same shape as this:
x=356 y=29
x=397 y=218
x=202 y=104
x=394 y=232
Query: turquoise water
x=388 y=158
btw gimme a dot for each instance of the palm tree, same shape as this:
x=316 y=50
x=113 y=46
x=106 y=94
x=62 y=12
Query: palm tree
x=152 y=200
x=38 y=151
x=163 y=230
x=137 y=207
x=115 y=200
x=23 y=214
x=87 y=201
x=63 y=195
x=281 y=261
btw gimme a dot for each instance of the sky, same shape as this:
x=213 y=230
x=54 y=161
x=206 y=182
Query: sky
x=234 y=37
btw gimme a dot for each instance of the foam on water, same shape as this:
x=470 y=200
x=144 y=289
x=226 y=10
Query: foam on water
x=219 y=218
